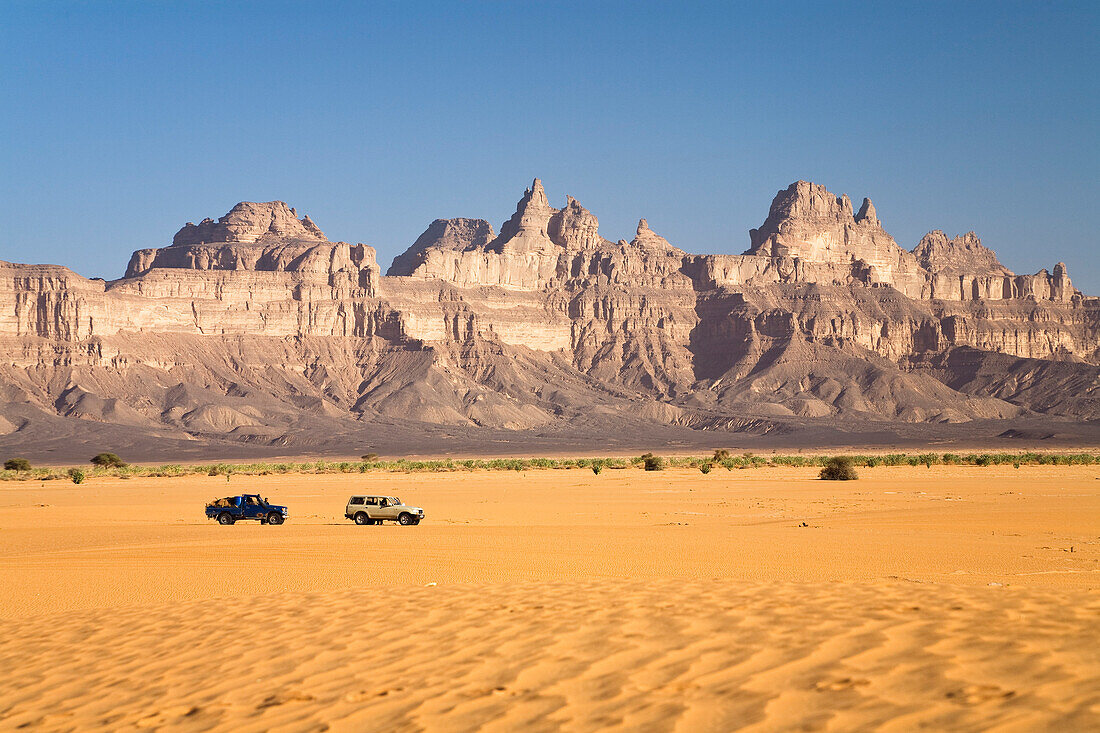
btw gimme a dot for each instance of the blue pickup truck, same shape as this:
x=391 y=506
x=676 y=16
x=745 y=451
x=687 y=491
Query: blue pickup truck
x=246 y=506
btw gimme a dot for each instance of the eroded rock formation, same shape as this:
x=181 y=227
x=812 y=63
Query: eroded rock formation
x=247 y=324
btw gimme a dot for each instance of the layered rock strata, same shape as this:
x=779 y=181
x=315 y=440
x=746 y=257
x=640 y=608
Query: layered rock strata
x=245 y=324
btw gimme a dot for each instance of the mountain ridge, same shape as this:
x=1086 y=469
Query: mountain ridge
x=255 y=330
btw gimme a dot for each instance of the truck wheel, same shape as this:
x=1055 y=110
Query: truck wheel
x=225 y=518
x=362 y=518
x=274 y=518
x=405 y=519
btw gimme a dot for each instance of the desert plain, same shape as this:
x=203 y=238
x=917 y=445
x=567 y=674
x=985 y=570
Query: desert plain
x=943 y=598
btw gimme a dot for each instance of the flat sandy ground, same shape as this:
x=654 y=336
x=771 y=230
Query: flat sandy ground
x=950 y=598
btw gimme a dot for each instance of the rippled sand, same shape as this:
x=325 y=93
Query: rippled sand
x=945 y=598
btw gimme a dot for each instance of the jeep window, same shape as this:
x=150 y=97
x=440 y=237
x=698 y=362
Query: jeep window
x=356 y=500
x=251 y=501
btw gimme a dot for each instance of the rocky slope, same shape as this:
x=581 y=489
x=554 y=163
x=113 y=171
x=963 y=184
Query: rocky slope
x=256 y=330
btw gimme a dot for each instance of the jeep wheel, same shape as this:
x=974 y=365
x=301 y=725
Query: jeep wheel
x=274 y=518
x=225 y=518
x=405 y=519
x=362 y=518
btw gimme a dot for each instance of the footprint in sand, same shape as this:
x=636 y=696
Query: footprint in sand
x=164 y=717
x=362 y=695
x=837 y=685
x=977 y=694
x=283 y=698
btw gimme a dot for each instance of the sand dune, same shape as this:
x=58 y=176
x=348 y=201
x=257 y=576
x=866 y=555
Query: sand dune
x=943 y=598
x=660 y=655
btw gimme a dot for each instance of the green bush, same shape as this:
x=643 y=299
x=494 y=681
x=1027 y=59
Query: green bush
x=929 y=459
x=720 y=454
x=652 y=463
x=76 y=475
x=108 y=460
x=839 y=468
x=705 y=468
x=369 y=457
x=597 y=466
x=17 y=464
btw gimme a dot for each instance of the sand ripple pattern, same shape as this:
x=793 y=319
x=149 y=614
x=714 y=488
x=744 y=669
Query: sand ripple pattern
x=675 y=656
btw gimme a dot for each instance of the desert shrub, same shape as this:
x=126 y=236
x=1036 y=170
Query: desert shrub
x=705 y=468
x=369 y=457
x=873 y=461
x=107 y=460
x=929 y=459
x=597 y=466
x=17 y=464
x=983 y=460
x=720 y=454
x=839 y=468
x=950 y=458
x=76 y=475
x=651 y=462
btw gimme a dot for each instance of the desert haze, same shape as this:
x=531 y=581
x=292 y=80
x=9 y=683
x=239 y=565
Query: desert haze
x=947 y=598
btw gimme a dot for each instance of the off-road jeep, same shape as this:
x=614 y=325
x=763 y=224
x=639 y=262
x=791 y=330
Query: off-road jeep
x=246 y=506
x=378 y=509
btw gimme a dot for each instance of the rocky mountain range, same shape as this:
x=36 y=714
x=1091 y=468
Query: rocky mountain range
x=256 y=335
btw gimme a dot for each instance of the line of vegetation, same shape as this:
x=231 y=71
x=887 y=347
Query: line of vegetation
x=20 y=469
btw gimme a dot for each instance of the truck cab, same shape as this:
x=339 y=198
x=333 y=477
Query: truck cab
x=231 y=509
x=369 y=509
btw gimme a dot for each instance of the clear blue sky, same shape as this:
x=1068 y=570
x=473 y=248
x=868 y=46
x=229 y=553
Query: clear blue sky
x=120 y=122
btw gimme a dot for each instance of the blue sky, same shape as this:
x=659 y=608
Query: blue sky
x=121 y=121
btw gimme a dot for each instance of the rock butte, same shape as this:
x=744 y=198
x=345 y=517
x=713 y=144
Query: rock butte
x=257 y=328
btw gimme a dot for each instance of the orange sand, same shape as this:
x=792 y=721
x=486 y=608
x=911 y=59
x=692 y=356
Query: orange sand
x=559 y=600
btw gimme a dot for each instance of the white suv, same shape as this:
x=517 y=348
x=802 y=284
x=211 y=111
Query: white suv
x=378 y=509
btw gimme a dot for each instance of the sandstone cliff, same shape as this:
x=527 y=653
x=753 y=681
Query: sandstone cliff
x=256 y=328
